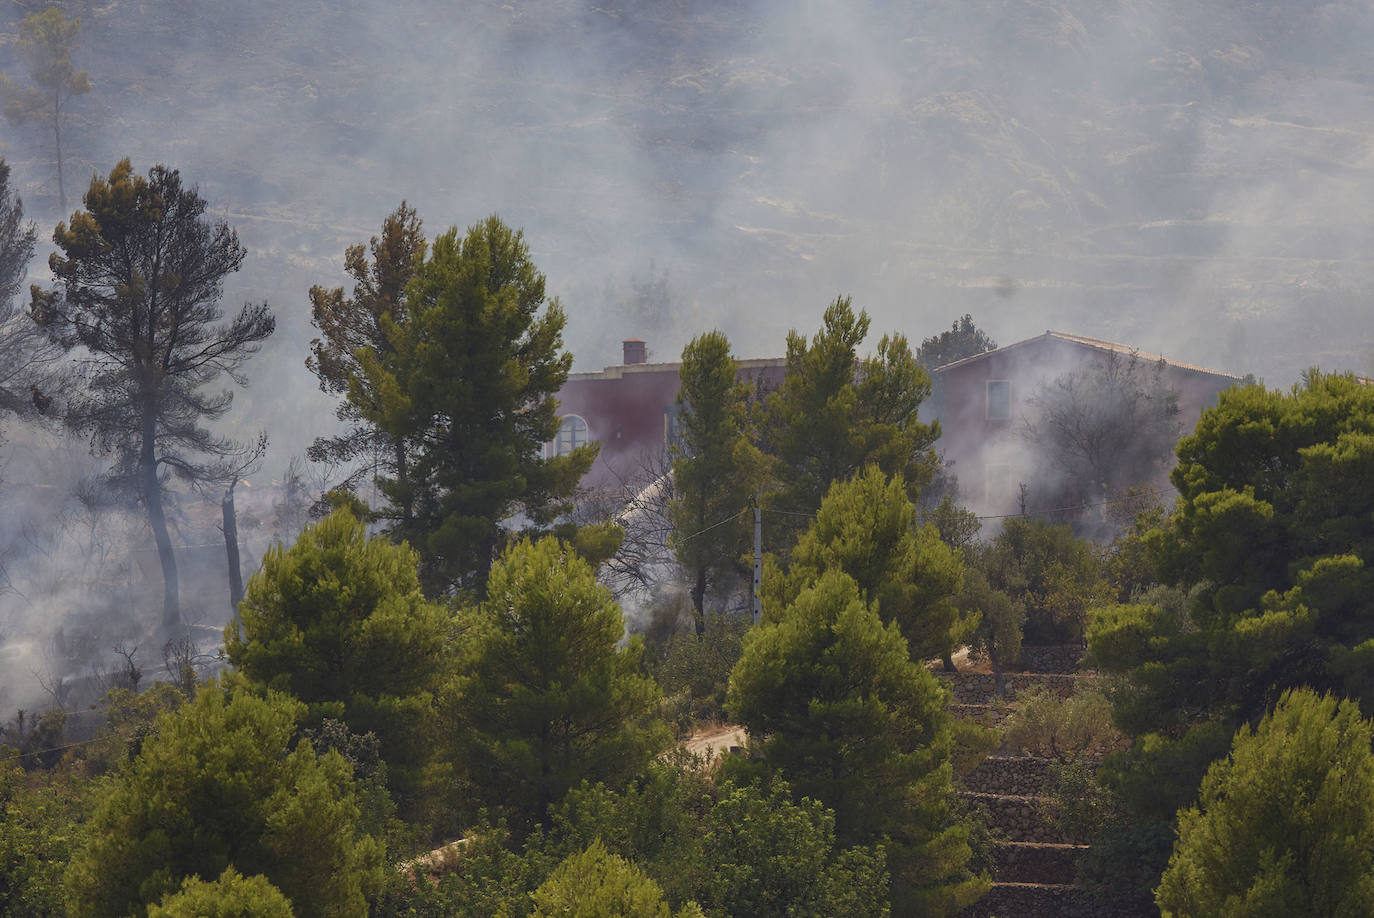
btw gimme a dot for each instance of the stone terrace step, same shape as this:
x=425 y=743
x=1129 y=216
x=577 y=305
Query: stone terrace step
x=979 y=688
x=1018 y=818
x=1034 y=862
x=1019 y=775
x=1052 y=658
x=1031 y=900
x=989 y=715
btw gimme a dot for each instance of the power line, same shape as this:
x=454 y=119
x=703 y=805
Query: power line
x=714 y=525
x=788 y=512
x=38 y=752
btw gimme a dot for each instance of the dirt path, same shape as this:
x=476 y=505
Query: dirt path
x=716 y=739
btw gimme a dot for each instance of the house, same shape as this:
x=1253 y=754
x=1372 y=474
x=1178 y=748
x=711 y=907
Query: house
x=983 y=404
x=986 y=408
x=631 y=410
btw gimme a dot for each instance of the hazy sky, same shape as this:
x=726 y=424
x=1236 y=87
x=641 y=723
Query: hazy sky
x=1193 y=179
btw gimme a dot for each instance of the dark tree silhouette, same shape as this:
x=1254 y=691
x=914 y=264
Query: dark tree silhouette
x=141 y=272
x=380 y=273
x=25 y=354
x=46 y=42
x=964 y=339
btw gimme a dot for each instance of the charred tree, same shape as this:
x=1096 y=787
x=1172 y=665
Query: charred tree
x=140 y=273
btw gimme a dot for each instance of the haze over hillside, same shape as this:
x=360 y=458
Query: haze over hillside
x=1190 y=178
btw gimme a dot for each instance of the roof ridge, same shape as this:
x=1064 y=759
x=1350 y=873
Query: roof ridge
x=1103 y=344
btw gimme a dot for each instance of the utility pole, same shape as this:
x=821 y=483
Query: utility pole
x=758 y=557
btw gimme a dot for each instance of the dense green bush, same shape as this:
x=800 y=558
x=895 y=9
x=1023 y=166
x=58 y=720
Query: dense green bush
x=1285 y=824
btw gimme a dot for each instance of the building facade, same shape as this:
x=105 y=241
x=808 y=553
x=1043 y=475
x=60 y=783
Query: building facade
x=983 y=403
x=986 y=408
x=630 y=409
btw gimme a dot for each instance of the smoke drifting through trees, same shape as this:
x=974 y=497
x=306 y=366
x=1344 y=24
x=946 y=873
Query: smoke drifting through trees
x=1186 y=177
x=141 y=274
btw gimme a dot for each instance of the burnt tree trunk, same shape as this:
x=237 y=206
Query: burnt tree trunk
x=231 y=547
x=157 y=521
x=699 y=601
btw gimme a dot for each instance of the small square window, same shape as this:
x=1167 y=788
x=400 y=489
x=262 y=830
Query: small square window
x=999 y=399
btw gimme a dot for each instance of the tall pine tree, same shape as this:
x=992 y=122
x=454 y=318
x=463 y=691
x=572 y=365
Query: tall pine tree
x=716 y=470
x=381 y=272
x=836 y=413
x=466 y=382
x=141 y=271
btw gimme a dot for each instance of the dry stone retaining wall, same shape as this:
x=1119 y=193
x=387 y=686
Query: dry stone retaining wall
x=1032 y=900
x=1018 y=818
x=1052 y=658
x=980 y=688
x=1027 y=862
x=989 y=715
x=1013 y=775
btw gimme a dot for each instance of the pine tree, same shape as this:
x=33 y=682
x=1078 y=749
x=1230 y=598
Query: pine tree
x=338 y=621
x=866 y=528
x=716 y=470
x=598 y=884
x=467 y=383
x=46 y=42
x=1285 y=824
x=836 y=413
x=552 y=699
x=141 y=273
x=26 y=356
x=381 y=273
x=218 y=783
x=834 y=703
x=231 y=896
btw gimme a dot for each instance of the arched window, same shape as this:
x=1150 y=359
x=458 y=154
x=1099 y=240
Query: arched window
x=572 y=433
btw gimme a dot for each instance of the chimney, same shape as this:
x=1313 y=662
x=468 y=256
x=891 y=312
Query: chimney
x=635 y=351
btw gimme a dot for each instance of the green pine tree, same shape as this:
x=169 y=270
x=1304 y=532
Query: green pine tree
x=834 y=703
x=552 y=698
x=338 y=621
x=1285 y=824
x=716 y=470
x=467 y=384
x=231 y=896
x=836 y=413
x=219 y=783
x=46 y=42
x=866 y=528
x=598 y=884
